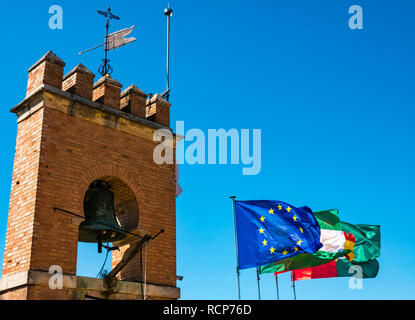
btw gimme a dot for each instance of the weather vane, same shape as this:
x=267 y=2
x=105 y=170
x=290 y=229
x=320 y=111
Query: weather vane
x=112 y=41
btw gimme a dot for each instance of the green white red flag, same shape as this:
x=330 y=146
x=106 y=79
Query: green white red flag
x=338 y=268
x=365 y=252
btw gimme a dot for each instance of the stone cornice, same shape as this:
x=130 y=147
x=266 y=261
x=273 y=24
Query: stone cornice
x=85 y=284
x=54 y=98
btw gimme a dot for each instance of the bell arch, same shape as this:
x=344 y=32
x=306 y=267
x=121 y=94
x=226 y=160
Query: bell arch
x=127 y=213
x=108 y=170
x=125 y=203
x=121 y=179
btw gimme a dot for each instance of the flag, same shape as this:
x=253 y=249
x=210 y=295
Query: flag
x=367 y=237
x=116 y=39
x=269 y=231
x=338 y=268
x=335 y=242
x=365 y=252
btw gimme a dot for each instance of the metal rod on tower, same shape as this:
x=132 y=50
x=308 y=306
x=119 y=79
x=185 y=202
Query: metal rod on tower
x=84 y=51
x=168 y=12
x=107 y=25
x=105 y=68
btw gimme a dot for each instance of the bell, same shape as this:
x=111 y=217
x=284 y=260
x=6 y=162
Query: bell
x=100 y=224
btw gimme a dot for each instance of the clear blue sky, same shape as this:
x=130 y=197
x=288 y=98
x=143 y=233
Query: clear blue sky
x=336 y=109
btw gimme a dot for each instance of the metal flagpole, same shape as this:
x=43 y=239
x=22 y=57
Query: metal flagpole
x=168 y=12
x=293 y=285
x=278 y=291
x=236 y=247
x=257 y=279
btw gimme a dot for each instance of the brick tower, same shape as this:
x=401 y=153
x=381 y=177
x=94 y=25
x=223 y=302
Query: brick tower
x=71 y=132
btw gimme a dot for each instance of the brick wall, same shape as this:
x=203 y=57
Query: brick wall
x=20 y=224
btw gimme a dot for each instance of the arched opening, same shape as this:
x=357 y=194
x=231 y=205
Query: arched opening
x=104 y=197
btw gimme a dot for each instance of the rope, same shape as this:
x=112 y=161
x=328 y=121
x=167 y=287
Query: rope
x=141 y=273
x=145 y=276
x=103 y=265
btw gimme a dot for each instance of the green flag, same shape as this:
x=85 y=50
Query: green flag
x=367 y=246
x=367 y=269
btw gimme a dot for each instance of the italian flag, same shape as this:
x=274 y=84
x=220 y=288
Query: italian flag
x=337 y=268
x=336 y=244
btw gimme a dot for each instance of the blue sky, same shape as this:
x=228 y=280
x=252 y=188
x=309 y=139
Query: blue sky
x=335 y=107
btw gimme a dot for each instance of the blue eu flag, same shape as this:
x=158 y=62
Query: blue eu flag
x=269 y=231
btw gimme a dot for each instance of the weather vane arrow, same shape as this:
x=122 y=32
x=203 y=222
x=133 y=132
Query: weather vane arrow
x=112 y=41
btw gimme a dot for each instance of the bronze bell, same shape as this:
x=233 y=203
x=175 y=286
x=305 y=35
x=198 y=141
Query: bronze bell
x=100 y=224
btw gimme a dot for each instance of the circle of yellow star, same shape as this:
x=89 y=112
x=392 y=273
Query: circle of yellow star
x=262 y=219
x=288 y=209
x=295 y=218
x=264 y=242
x=295 y=249
x=279 y=207
x=271 y=211
x=272 y=250
x=284 y=252
x=261 y=230
x=299 y=242
x=301 y=230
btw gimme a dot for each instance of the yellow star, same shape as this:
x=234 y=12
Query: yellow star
x=272 y=250
x=284 y=252
x=288 y=209
x=301 y=230
x=295 y=218
x=299 y=242
x=261 y=230
x=295 y=249
x=264 y=242
x=279 y=207
x=271 y=211
x=262 y=219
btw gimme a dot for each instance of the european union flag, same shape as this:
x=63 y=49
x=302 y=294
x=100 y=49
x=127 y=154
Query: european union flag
x=269 y=231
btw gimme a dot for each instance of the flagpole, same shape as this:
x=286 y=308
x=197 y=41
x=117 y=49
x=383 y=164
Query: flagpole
x=236 y=247
x=293 y=284
x=168 y=12
x=257 y=279
x=278 y=291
